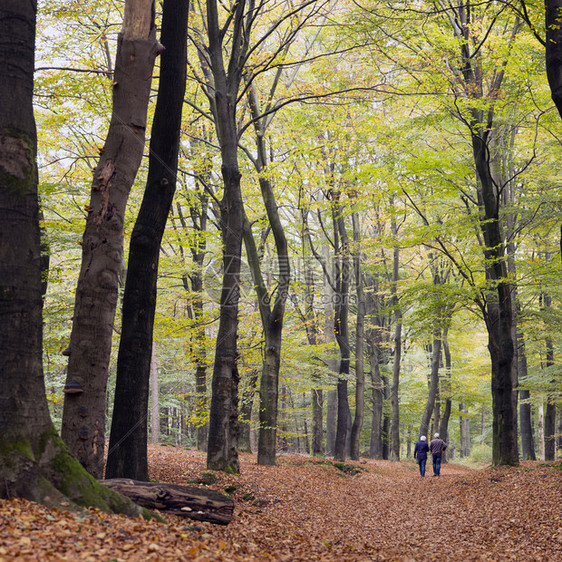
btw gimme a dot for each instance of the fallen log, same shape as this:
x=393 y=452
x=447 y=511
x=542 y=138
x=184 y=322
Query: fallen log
x=188 y=501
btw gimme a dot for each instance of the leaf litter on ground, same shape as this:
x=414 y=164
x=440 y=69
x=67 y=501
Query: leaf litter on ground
x=308 y=508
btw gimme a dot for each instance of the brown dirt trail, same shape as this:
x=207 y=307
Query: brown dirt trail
x=309 y=509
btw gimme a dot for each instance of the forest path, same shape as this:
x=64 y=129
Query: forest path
x=307 y=509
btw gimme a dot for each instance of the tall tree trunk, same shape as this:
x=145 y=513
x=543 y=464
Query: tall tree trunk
x=553 y=10
x=375 y=448
x=559 y=417
x=83 y=424
x=433 y=381
x=464 y=422
x=446 y=391
x=499 y=311
x=359 y=343
x=375 y=359
x=541 y=432
x=331 y=422
x=155 y=399
x=246 y=407
x=395 y=420
x=550 y=414
x=386 y=421
x=34 y=463
x=271 y=316
x=127 y=455
x=333 y=365
x=341 y=310
x=525 y=412
x=222 y=451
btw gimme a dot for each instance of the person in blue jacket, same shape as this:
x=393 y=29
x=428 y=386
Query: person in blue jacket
x=420 y=453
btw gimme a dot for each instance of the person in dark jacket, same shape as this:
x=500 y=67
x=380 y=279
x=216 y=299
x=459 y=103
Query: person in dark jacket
x=437 y=446
x=420 y=453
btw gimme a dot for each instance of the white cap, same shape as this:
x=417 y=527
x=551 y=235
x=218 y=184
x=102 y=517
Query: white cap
x=423 y=438
x=436 y=436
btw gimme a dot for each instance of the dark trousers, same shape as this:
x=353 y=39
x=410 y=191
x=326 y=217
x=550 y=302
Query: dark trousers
x=436 y=465
x=422 y=466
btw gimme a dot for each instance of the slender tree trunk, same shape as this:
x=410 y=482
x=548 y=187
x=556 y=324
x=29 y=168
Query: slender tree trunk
x=272 y=316
x=559 y=417
x=246 y=407
x=395 y=423
x=433 y=381
x=222 y=451
x=83 y=425
x=331 y=422
x=464 y=422
x=127 y=455
x=332 y=398
x=375 y=449
x=525 y=413
x=499 y=312
x=341 y=329
x=446 y=391
x=359 y=343
x=553 y=10
x=155 y=398
x=375 y=359
x=269 y=395
x=541 y=432
x=550 y=414
x=386 y=424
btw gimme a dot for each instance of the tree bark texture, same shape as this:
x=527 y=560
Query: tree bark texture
x=525 y=412
x=246 y=407
x=199 y=504
x=395 y=420
x=359 y=343
x=375 y=340
x=433 y=381
x=24 y=415
x=34 y=463
x=341 y=328
x=83 y=427
x=222 y=451
x=127 y=455
x=155 y=399
x=550 y=413
x=446 y=391
x=498 y=308
x=499 y=311
x=464 y=423
x=331 y=395
x=272 y=323
x=331 y=421
x=272 y=316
